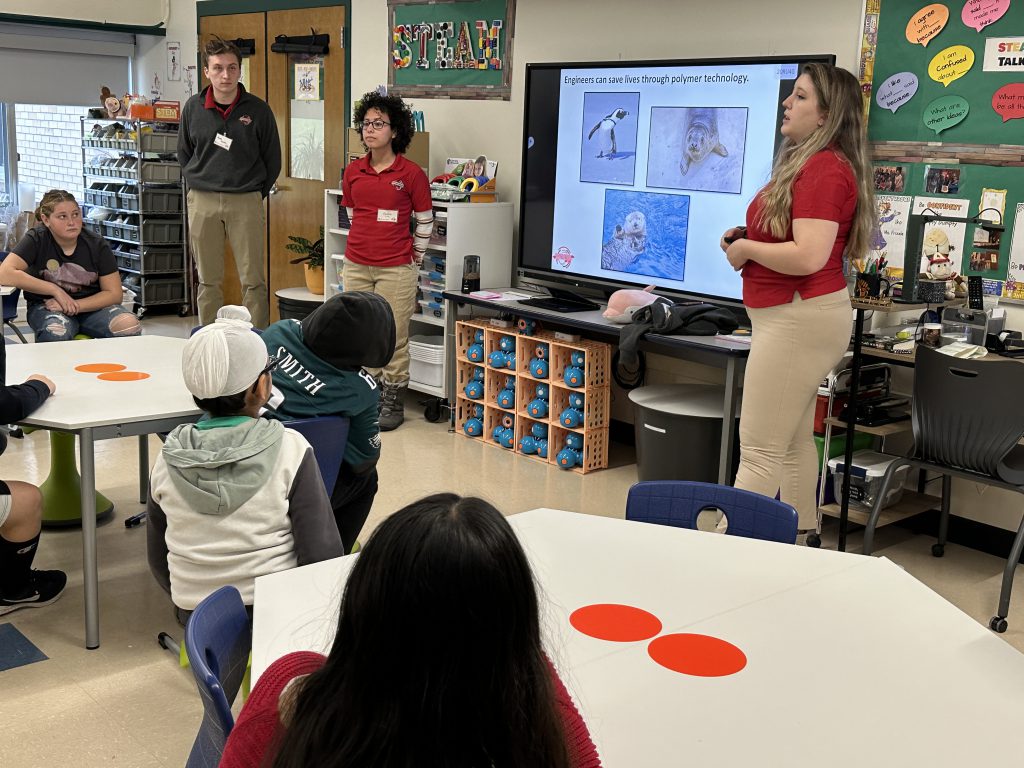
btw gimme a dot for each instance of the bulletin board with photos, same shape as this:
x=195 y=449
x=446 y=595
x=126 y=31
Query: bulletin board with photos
x=944 y=74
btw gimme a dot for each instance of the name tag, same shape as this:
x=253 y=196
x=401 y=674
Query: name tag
x=223 y=141
x=389 y=216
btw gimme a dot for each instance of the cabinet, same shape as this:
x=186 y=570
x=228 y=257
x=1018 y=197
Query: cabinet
x=133 y=197
x=542 y=412
x=484 y=229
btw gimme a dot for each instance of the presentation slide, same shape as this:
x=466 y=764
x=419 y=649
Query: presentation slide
x=653 y=164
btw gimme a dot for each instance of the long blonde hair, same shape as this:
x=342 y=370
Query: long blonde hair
x=839 y=96
x=51 y=200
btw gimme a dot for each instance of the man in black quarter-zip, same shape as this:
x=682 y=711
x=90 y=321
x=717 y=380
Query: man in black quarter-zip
x=230 y=156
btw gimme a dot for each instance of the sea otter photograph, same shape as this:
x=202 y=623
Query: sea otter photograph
x=698 y=148
x=645 y=233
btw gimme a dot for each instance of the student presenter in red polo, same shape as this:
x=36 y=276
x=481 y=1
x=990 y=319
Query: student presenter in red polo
x=230 y=156
x=383 y=192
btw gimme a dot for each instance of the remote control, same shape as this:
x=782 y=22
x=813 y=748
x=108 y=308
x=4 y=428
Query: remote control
x=974 y=293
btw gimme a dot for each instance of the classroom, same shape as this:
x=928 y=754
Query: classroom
x=561 y=152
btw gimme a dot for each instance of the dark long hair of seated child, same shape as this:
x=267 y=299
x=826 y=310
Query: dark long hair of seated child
x=437 y=659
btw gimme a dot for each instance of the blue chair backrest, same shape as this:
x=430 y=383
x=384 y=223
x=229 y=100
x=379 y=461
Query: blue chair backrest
x=10 y=303
x=328 y=435
x=678 y=502
x=218 y=640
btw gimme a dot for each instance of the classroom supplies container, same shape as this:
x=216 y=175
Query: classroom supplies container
x=866 y=478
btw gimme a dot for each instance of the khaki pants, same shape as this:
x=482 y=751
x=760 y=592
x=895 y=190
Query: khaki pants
x=241 y=218
x=398 y=287
x=794 y=347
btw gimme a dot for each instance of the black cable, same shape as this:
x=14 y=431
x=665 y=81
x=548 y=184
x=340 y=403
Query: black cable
x=626 y=378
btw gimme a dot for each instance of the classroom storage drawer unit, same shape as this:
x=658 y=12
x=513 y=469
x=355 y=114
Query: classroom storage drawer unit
x=161 y=231
x=163 y=290
x=160 y=141
x=160 y=172
x=161 y=200
x=153 y=259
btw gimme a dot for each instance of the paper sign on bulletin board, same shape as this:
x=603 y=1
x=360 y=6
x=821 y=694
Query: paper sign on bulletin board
x=1013 y=288
x=458 y=49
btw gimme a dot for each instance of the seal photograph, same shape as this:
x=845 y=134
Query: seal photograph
x=698 y=148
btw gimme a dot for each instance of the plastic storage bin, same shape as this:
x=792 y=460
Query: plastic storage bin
x=866 y=478
x=426 y=360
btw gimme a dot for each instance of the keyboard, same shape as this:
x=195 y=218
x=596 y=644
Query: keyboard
x=556 y=304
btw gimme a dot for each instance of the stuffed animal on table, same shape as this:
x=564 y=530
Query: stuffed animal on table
x=114 y=106
x=622 y=304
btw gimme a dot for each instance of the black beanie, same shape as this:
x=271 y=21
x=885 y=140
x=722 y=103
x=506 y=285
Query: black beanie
x=351 y=330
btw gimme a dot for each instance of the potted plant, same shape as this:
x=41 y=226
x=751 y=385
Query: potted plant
x=312 y=253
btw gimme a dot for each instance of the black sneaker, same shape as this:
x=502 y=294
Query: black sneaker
x=44 y=587
x=392 y=412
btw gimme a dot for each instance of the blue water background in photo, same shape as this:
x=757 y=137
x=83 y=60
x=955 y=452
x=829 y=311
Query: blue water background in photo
x=667 y=217
x=620 y=167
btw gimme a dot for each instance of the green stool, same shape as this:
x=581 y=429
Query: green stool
x=62 y=490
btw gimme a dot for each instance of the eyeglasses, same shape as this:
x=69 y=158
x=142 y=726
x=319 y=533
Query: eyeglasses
x=272 y=363
x=377 y=125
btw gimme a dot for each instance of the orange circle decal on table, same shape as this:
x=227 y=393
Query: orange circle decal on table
x=100 y=367
x=698 y=655
x=618 y=623
x=123 y=376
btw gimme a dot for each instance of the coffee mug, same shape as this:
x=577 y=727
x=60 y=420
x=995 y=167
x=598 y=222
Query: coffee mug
x=869 y=285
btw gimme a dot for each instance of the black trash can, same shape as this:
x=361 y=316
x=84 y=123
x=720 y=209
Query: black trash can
x=678 y=431
x=296 y=303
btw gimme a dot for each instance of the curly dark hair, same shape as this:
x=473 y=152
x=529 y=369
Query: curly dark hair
x=399 y=115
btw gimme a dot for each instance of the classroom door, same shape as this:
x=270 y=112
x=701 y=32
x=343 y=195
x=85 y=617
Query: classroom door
x=247 y=26
x=307 y=94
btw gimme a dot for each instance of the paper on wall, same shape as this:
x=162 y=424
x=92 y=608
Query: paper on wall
x=956 y=231
x=1013 y=288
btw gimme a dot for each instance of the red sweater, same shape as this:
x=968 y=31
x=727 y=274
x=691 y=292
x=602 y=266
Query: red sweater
x=258 y=721
x=825 y=188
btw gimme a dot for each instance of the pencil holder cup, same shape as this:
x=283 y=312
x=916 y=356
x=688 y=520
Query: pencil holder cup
x=871 y=286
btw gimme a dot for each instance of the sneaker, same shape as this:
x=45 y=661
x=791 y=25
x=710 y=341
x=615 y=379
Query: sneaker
x=392 y=407
x=44 y=587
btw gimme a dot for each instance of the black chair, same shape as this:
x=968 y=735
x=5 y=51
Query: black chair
x=678 y=503
x=218 y=639
x=965 y=426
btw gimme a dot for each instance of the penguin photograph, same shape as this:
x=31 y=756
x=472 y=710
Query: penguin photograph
x=698 y=148
x=609 y=130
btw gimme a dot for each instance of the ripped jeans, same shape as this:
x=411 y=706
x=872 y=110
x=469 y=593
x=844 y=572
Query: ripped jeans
x=49 y=325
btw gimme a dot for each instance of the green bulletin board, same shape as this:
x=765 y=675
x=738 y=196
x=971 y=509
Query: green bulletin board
x=451 y=48
x=967 y=54
x=895 y=54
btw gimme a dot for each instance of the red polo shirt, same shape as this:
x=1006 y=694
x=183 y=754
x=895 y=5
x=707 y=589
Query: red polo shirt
x=383 y=204
x=825 y=189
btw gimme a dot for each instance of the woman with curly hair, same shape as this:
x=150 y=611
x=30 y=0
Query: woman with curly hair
x=382 y=190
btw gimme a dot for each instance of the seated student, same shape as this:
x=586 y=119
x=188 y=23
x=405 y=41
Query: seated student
x=234 y=496
x=437 y=660
x=69 y=276
x=320 y=373
x=21 y=511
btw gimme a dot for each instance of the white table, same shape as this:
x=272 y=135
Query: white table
x=95 y=409
x=834 y=643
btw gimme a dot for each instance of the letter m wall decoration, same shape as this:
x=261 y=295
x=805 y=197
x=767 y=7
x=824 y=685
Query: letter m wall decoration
x=451 y=49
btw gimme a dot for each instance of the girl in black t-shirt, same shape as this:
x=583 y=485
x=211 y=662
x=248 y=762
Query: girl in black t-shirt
x=69 y=276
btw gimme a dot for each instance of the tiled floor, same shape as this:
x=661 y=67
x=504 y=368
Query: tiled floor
x=129 y=704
